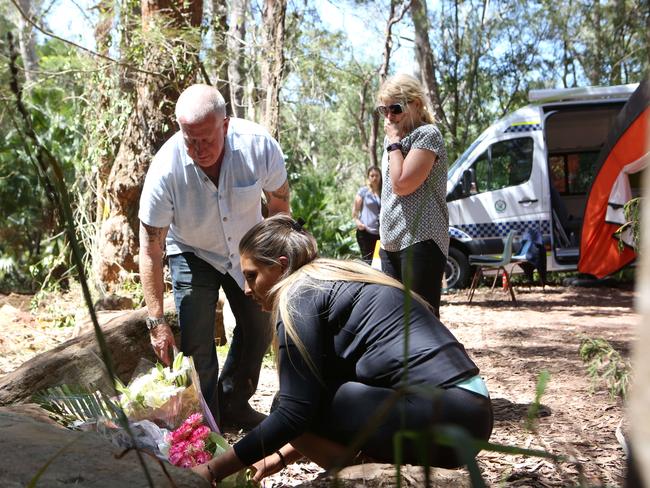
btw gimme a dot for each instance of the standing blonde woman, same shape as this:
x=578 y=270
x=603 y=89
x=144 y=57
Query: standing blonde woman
x=414 y=220
x=346 y=352
x=365 y=213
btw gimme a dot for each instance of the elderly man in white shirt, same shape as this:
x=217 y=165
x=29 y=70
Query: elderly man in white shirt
x=201 y=194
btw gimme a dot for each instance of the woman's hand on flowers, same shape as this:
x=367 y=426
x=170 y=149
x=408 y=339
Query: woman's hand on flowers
x=162 y=341
x=267 y=466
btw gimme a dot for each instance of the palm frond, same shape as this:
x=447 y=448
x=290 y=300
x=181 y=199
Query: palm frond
x=70 y=406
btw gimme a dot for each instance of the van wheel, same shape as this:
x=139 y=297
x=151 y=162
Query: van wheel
x=457 y=270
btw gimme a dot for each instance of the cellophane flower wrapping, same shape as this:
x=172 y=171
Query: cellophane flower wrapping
x=165 y=395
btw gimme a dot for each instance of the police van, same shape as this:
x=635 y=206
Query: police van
x=531 y=170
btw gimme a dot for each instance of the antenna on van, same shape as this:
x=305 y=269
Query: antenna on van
x=581 y=93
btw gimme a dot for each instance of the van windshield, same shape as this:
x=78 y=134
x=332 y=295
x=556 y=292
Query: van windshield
x=459 y=162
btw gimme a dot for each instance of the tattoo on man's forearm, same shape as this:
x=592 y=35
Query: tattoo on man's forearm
x=153 y=234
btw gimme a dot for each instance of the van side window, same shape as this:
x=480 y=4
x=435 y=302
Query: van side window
x=504 y=164
x=572 y=173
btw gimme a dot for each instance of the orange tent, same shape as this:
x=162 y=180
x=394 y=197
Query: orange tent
x=626 y=151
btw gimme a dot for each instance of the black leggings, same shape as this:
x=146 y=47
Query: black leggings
x=367 y=243
x=354 y=403
x=427 y=265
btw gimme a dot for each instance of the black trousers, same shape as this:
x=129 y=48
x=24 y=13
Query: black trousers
x=422 y=265
x=354 y=403
x=367 y=243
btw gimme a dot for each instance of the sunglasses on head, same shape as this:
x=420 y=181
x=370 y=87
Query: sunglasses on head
x=395 y=109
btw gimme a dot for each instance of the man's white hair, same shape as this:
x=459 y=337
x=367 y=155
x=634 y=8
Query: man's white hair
x=197 y=102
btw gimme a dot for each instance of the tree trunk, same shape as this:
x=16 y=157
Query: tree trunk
x=393 y=18
x=149 y=126
x=236 y=43
x=425 y=58
x=103 y=42
x=221 y=56
x=26 y=41
x=272 y=67
x=639 y=401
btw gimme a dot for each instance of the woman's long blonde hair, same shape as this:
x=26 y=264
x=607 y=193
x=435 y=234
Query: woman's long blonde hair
x=280 y=235
x=406 y=89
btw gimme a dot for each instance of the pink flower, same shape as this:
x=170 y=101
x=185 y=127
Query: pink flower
x=194 y=420
x=176 y=457
x=182 y=433
x=200 y=433
x=196 y=446
x=180 y=447
x=187 y=443
x=187 y=462
x=202 y=457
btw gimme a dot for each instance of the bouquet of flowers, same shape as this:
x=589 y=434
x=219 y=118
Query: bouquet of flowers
x=165 y=395
x=193 y=443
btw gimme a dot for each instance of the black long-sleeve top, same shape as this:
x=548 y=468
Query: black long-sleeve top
x=353 y=332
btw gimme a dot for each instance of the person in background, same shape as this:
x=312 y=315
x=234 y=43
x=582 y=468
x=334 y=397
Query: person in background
x=413 y=221
x=201 y=194
x=365 y=213
x=346 y=354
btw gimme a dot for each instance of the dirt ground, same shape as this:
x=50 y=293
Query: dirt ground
x=511 y=344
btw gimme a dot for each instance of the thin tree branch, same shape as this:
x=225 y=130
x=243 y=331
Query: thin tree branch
x=78 y=46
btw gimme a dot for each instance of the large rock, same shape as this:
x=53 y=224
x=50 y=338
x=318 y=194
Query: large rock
x=77 y=361
x=68 y=458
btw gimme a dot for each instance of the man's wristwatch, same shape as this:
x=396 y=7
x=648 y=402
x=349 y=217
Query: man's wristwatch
x=394 y=146
x=153 y=323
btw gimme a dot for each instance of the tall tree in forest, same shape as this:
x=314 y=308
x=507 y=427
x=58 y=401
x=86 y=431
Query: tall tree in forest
x=425 y=58
x=170 y=58
x=396 y=13
x=236 y=42
x=272 y=62
x=613 y=44
x=217 y=10
x=26 y=39
x=103 y=158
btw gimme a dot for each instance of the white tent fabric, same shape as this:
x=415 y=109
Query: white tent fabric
x=621 y=194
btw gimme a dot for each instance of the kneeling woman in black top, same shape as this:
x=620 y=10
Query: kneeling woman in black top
x=345 y=351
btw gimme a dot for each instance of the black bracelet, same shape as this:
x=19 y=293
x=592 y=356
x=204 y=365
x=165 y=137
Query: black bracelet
x=284 y=463
x=394 y=146
x=213 y=478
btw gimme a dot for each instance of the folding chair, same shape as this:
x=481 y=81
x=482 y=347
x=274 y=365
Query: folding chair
x=498 y=262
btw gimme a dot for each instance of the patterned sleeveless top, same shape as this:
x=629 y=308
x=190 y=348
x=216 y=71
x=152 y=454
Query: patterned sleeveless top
x=422 y=215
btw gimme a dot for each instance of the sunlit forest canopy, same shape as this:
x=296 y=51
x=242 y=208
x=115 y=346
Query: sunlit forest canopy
x=99 y=82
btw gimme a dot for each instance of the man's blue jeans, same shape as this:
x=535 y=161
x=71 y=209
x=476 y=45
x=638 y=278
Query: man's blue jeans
x=196 y=290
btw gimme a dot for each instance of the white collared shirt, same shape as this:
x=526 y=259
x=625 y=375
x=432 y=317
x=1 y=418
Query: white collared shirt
x=202 y=218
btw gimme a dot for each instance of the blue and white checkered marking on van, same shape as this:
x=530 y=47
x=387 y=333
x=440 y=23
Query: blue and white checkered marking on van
x=458 y=234
x=524 y=127
x=467 y=232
